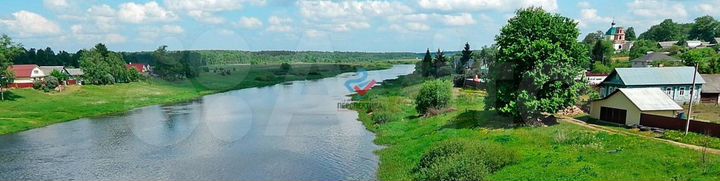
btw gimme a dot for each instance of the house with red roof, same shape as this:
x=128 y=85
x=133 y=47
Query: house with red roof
x=142 y=68
x=25 y=75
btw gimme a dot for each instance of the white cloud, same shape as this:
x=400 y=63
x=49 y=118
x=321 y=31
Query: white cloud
x=584 y=5
x=481 y=5
x=461 y=20
x=249 y=23
x=145 y=13
x=173 y=29
x=590 y=16
x=314 y=33
x=115 y=38
x=204 y=10
x=28 y=24
x=56 y=5
x=348 y=15
x=226 y=32
x=279 y=24
x=710 y=8
x=657 y=8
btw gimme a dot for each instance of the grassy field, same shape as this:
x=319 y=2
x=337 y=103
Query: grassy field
x=29 y=109
x=705 y=112
x=558 y=152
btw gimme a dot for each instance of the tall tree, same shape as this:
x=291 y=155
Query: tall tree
x=602 y=52
x=630 y=34
x=665 y=31
x=538 y=61
x=439 y=62
x=426 y=64
x=642 y=47
x=704 y=29
x=102 y=66
x=466 y=55
x=8 y=51
x=593 y=37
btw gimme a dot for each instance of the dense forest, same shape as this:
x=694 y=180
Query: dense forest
x=216 y=57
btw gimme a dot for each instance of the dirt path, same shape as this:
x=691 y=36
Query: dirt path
x=601 y=128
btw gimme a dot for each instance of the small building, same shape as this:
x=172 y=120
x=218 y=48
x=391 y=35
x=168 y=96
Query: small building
x=711 y=89
x=49 y=69
x=697 y=44
x=76 y=76
x=26 y=75
x=625 y=105
x=650 y=58
x=594 y=79
x=676 y=82
x=667 y=44
x=139 y=67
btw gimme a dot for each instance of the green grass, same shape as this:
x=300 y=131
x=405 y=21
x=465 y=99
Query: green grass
x=28 y=109
x=559 y=152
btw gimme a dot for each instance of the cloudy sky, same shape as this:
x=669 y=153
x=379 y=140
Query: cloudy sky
x=377 y=26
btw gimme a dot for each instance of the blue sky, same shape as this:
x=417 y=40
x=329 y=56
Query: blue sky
x=377 y=26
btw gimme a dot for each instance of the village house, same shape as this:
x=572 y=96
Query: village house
x=626 y=105
x=650 y=58
x=692 y=44
x=594 y=79
x=139 y=67
x=667 y=44
x=711 y=89
x=674 y=81
x=76 y=75
x=26 y=75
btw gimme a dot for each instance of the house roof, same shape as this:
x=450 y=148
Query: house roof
x=611 y=31
x=667 y=44
x=712 y=84
x=75 y=72
x=658 y=76
x=137 y=66
x=49 y=69
x=717 y=40
x=656 y=56
x=23 y=71
x=649 y=99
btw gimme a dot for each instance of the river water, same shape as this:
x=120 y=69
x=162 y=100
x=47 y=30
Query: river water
x=292 y=131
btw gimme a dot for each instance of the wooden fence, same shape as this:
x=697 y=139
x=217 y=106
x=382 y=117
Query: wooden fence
x=711 y=129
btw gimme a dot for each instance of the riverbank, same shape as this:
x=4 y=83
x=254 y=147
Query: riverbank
x=28 y=109
x=559 y=152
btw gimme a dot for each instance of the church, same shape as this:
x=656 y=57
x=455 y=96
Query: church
x=617 y=36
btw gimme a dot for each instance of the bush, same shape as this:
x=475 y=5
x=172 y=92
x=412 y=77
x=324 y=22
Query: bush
x=445 y=71
x=51 y=82
x=37 y=85
x=285 y=67
x=463 y=160
x=382 y=117
x=433 y=94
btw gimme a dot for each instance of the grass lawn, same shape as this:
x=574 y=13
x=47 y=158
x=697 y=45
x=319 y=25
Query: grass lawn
x=559 y=152
x=29 y=108
x=705 y=112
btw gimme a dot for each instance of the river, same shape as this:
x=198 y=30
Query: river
x=292 y=131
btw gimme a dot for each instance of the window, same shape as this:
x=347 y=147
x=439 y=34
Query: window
x=668 y=91
x=682 y=91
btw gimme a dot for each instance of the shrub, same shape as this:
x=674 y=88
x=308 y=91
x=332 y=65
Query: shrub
x=37 y=84
x=51 y=82
x=285 y=67
x=463 y=160
x=382 y=117
x=445 y=71
x=433 y=94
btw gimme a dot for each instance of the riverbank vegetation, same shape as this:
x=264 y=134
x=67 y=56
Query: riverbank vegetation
x=560 y=151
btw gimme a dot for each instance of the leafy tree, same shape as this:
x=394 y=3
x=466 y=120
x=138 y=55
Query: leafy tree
x=601 y=68
x=59 y=75
x=704 y=29
x=593 y=37
x=642 y=47
x=426 y=64
x=466 y=54
x=285 y=67
x=538 y=61
x=8 y=51
x=665 y=31
x=439 y=62
x=104 y=67
x=630 y=34
x=705 y=58
x=435 y=94
x=51 y=82
x=602 y=52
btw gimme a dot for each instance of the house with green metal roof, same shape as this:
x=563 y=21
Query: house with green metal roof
x=676 y=82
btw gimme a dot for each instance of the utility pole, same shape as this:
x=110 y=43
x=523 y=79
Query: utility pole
x=692 y=94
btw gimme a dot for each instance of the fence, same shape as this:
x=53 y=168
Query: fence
x=712 y=129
